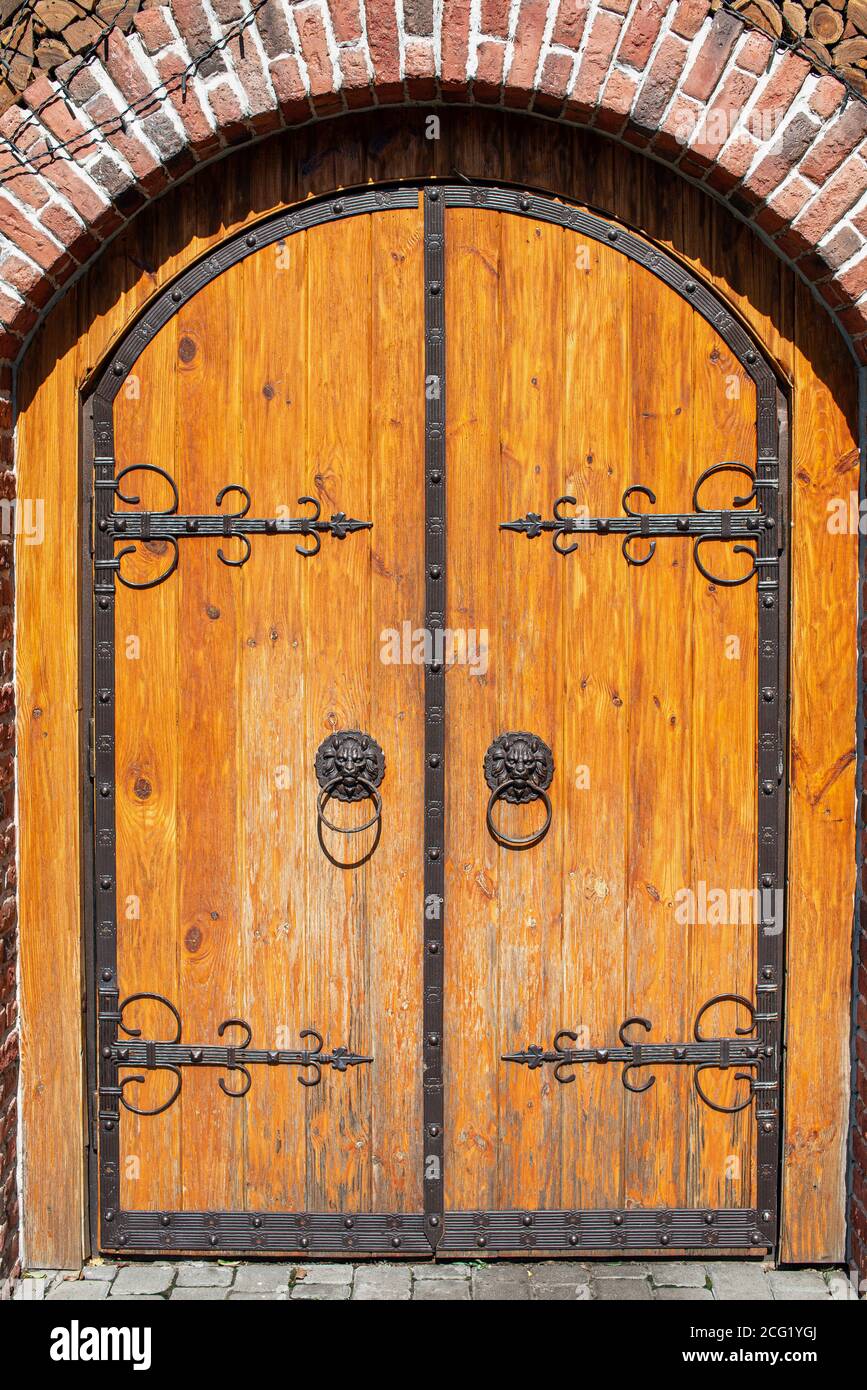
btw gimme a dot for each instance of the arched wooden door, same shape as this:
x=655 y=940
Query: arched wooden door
x=438 y=743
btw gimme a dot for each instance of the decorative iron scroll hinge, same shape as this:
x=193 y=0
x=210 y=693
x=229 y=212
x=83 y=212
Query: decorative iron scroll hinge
x=703 y=526
x=169 y=527
x=171 y=1055
x=744 y=1050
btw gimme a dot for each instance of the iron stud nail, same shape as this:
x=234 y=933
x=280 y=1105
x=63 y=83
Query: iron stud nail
x=680 y=1053
x=573 y=1240
x=768 y=788
x=435 y=287
x=525 y=204
x=613 y=234
x=348 y=1222
x=105 y=883
x=122 y=1054
x=192 y=524
x=434 y=760
x=481 y=1241
x=708 y=1218
x=121 y=1240
x=106 y=974
x=690 y=287
x=434 y=1131
x=304 y=1243
x=436 y=477
x=109 y=1215
x=665 y=1239
x=434 y=948
x=433 y=1039
x=105 y=789
x=768 y=601
x=768 y=694
x=213 y=1240
x=103 y=603
x=251 y=240
x=395 y=1242
x=119 y=369
x=767 y=882
x=526 y=1220
x=618 y=1220
x=435 y=571
x=766 y=1216
x=176 y=296
x=338 y=208
x=257 y=1222
x=108 y=1126
x=165 y=1220
x=682 y=523
x=433 y=853
x=273 y=1058
x=196 y=1054
x=433 y=1221
x=750 y=357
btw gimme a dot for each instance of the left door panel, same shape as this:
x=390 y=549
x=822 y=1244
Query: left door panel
x=296 y=373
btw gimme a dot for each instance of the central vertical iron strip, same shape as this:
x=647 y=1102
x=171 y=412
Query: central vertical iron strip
x=434 y=708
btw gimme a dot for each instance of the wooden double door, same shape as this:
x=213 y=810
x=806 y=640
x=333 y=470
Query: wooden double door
x=406 y=516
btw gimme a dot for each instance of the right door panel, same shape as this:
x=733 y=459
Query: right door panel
x=573 y=370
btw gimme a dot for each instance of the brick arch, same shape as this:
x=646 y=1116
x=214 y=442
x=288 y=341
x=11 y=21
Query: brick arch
x=698 y=89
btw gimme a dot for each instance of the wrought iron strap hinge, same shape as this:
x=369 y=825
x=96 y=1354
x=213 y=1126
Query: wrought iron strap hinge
x=744 y=527
x=170 y=527
x=171 y=1054
x=745 y=1050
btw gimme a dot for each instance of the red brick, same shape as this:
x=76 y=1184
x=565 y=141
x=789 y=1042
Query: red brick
x=228 y=114
x=689 y=17
x=314 y=51
x=570 y=23
x=678 y=127
x=853 y=282
x=732 y=163
x=660 y=82
x=28 y=236
x=193 y=25
x=528 y=45
x=345 y=20
x=719 y=123
x=713 y=56
x=835 y=199
x=554 y=82
x=148 y=171
x=595 y=62
x=779 y=91
x=356 y=88
x=202 y=138
x=53 y=111
x=826 y=97
x=781 y=159
x=495 y=17
x=124 y=68
x=418 y=18
x=28 y=188
x=754 y=52
x=420 y=68
x=487 y=83
x=382 y=41
x=784 y=206
x=843 y=136
x=455 y=51
x=641 y=33
x=613 y=110
x=154 y=30
x=274 y=30
x=26 y=279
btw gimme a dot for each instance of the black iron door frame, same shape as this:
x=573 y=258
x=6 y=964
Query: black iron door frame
x=760 y=531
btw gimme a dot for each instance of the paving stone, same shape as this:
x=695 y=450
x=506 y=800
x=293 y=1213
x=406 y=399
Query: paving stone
x=136 y=1298
x=441 y=1291
x=562 y=1293
x=381 y=1282
x=506 y=1283
x=505 y=1273
x=197 y=1292
x=625 y=1290
x=143 y=1279
x=204 y=1275
x=679 y=1275
x=258 y=1278
x=78 y=1290
x=263 y=1296
x=106 y=1272
x=683 y=1294
x=325 y=1274
x=798 y=1284
x=739 y=1280
x=841 y=1288
x=446 y=1271
x=554 y=1272
x=321 y=1293
x=620 y=1270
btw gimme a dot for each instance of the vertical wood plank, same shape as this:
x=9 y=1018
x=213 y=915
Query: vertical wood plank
x=822 y=796
x=472 y=1029
x=595 y=661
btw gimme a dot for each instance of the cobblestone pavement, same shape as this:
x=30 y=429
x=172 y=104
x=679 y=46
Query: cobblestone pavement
x=555 y=1280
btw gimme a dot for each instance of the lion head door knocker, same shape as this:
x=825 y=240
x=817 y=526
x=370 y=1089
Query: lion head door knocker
x=519 y=768
x=350 y=765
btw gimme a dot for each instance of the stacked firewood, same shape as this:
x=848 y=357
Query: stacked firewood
x=834 y=32
x=38 y=35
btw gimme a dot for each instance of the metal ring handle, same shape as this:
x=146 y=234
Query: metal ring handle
x=520 y=841
x=326 y=794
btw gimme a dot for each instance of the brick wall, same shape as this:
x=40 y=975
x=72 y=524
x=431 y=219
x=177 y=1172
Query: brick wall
x=758 y=128
x=8 y=916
